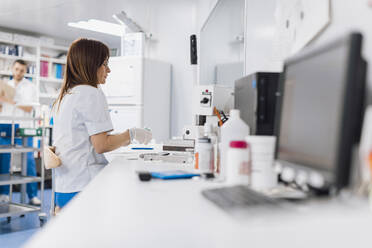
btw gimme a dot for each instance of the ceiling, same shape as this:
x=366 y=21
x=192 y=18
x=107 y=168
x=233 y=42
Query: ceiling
x=50 y=17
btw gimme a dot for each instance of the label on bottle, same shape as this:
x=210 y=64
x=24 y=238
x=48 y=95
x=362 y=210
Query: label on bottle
x=197 y=161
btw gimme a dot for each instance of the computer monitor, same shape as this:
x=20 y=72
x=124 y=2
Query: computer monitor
x=320 y=108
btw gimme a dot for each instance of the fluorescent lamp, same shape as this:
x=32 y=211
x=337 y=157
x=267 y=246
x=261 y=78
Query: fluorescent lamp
x=123 y=19
x=99 y=26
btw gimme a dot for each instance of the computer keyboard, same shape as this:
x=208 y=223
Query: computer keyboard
x=238 y=197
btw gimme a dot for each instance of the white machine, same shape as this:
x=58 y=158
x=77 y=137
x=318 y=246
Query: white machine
x=138 y=94
x=205 y=99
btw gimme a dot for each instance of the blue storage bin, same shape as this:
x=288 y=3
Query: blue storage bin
x=6 y=130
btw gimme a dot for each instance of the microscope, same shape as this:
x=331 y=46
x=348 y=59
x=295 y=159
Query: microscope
x=211 y=105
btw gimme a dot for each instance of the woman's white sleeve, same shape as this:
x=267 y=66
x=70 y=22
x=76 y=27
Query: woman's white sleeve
x=95 y=114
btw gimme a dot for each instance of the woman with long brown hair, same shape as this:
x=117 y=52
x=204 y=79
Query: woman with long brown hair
x=82 y=122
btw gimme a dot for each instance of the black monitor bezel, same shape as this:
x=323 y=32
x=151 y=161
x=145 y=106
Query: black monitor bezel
x=339 y=177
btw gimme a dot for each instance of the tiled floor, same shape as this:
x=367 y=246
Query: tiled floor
x=19 y=230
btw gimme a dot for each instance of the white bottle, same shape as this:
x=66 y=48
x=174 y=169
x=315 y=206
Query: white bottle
x=233 y=129
x=209 y=132
x=238 y=170
x=204 y=158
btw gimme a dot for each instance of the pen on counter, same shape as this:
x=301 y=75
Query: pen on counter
x=142 y=148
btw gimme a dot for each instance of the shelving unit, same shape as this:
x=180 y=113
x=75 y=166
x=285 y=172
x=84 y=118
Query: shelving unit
x=51 y=80
x=11 y=209
x=53 y=60
x=11 y=51
x=47 y=86
x=9 y=73
x=18 y=43
x=13 y=57
x=7 y=179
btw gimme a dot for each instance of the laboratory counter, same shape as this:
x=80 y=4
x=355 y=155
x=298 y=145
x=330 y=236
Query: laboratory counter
x=118 y=210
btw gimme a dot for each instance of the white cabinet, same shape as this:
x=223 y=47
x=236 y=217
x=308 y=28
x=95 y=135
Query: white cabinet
x=125 y=117
x=138 y=94
x=124 y=82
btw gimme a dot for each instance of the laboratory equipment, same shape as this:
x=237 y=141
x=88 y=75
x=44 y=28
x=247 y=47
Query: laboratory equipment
x=180 y=145
x=255 y=97
x=208 y=97
x=192 y=132
x=169 y=157
x=209 y=103
x=311 y=141
x=321 y=108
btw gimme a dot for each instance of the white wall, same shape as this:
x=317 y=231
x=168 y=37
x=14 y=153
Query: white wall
x=219 y=44
x=349 y=16
x=203 y=9
x=260 y=39
x=261 y=48
x=171 y=23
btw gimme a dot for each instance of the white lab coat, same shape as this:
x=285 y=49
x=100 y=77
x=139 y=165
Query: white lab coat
x=83 y=112
x=25 y=92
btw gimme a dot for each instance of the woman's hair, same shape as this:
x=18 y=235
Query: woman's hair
x=84 y=57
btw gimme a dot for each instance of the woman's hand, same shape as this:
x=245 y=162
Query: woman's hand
x=140 y=135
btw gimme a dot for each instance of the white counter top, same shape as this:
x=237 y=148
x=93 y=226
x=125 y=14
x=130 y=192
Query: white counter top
x=118 y=210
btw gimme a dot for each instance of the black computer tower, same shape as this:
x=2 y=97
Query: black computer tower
x=255 y=97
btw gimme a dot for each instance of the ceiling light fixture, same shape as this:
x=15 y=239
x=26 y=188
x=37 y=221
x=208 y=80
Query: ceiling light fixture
x=123 y=19
x=100 y=27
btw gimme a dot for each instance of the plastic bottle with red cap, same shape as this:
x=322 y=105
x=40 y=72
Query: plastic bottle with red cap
x=238 y=166
x=234 y=129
